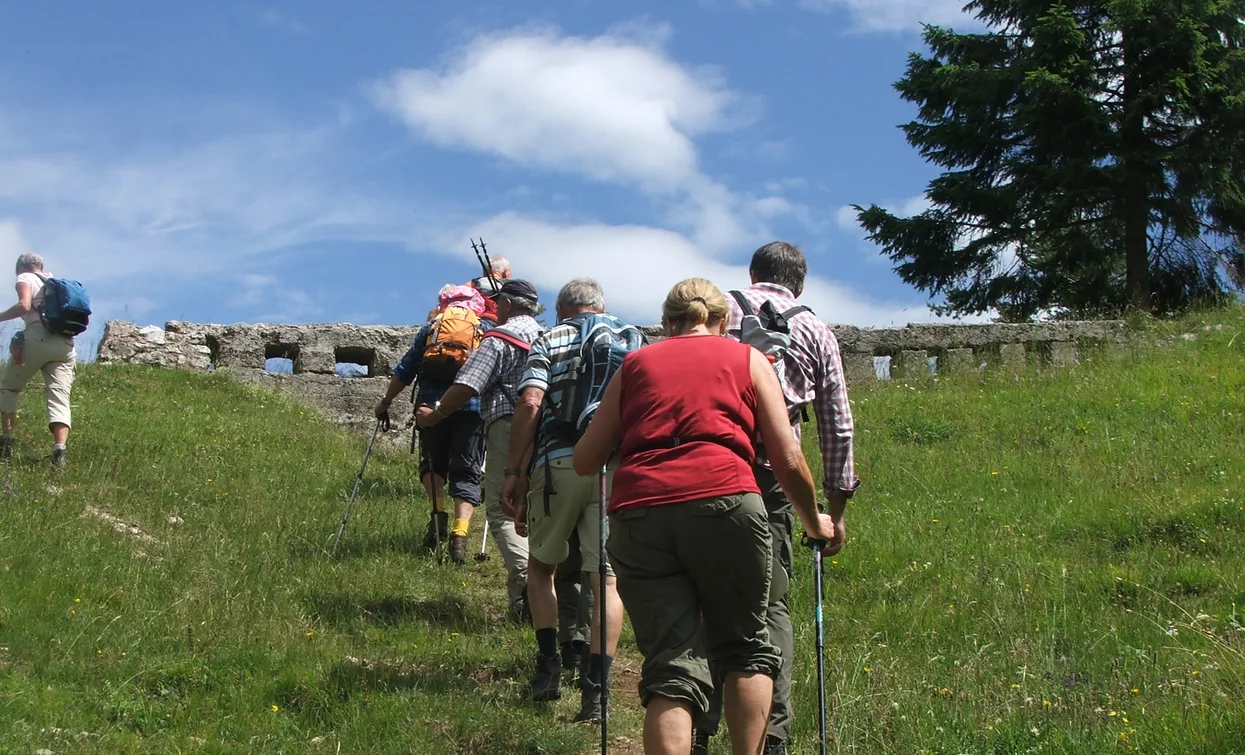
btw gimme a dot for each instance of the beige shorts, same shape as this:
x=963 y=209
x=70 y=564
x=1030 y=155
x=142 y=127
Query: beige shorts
x=574 y=506
x=53 y=355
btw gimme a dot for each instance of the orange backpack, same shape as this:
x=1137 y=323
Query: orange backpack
x=452 y=336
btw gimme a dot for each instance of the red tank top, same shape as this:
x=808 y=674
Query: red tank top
x=688 y=411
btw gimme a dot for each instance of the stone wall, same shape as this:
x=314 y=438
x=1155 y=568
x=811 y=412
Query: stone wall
x=316 y=350
x=243 y=351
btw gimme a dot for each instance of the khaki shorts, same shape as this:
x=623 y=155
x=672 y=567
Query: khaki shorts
x=574 y=506
x=51 y=354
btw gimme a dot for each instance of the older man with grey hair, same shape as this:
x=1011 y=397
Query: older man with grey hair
x=32 y=350
x=562 y=502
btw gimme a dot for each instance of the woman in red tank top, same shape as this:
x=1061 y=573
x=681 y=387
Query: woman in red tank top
x=689 y=535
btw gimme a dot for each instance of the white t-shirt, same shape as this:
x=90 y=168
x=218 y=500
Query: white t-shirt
x=36 y=296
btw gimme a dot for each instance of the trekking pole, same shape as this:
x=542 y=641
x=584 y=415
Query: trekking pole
x=485 y=263
x=481 y=557
x=383 y=419
x=817 y=545
x=605 y=668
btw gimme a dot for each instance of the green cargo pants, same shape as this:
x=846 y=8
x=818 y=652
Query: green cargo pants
x=680 y=563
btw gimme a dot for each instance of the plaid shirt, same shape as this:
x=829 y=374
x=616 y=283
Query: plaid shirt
x=813 y=375
x=494 y=369
x=429 y=391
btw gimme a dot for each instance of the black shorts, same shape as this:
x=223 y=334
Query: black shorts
x=453 y=449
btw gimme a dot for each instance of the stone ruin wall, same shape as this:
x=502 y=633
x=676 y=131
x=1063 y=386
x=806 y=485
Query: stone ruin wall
x=243 y=350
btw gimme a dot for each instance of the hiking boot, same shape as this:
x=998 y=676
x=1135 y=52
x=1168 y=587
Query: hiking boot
x=775 y=746
x=438 y=529
x=458 y=549
x=700 y=743
x=58 y=458
x=546 y=683
x=6 y=446
x=589 y=703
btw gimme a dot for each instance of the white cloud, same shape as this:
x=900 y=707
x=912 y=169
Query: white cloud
x=637 y=265
x=610 y=108
x=614 y=108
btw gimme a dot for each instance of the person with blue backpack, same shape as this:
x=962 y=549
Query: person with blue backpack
x=54 y=311
x=567 y=371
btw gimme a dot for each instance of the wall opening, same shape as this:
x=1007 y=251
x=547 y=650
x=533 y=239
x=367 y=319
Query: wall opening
x=882 y=367
x=213 y=344
x=281 y=358
x=354 y=361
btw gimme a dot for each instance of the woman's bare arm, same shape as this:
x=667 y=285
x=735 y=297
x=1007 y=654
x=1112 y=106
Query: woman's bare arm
x=24 y=303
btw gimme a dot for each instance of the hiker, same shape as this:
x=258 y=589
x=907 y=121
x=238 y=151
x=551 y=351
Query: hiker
x=486 y=285
x=688 y=529
x=35 y=349
x=492 y=373
x=810 y=373
x=453 y=451
x=560 y=501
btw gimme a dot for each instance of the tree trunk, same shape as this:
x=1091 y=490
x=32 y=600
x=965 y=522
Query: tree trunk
x=1136 y=190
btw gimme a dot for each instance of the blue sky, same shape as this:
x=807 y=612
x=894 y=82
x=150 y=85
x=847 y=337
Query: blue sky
x=316 y=161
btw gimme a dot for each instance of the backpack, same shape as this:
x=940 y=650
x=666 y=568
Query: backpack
x=452 y=336
x=604 y=341
x=66 y=308
x=769 y=332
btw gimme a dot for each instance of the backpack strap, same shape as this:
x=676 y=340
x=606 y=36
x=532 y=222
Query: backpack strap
x=799 y=309
x=743 y=303
x=508 y=337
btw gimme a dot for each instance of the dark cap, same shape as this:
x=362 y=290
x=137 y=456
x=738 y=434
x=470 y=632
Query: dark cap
x=517 y=288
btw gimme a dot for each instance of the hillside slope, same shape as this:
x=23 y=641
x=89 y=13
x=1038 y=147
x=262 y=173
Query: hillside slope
x=1050 y=563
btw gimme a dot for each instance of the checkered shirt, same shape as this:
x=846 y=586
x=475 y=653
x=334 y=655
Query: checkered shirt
x=494 y=369
x=813 y=375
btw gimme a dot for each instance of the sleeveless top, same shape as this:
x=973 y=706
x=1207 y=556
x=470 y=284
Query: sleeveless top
x=688 y=410
x=36 y=296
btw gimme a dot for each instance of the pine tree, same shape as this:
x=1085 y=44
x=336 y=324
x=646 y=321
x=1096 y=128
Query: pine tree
x=1093 y=156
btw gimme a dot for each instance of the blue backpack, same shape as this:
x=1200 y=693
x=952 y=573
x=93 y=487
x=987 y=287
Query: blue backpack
x=604 y=341
x=66 y=308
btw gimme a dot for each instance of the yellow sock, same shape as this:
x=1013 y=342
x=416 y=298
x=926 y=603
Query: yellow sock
x=438 y=506
x=460 y=526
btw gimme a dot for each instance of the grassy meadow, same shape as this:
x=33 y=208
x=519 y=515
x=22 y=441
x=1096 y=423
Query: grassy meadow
x=1044 y=563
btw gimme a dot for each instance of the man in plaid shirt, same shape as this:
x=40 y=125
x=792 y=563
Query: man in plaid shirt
x=811 y=373
x=492 y=373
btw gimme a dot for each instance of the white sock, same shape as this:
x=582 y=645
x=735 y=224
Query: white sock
x=60 y=446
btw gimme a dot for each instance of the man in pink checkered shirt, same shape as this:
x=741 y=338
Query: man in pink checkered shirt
x=812 y=373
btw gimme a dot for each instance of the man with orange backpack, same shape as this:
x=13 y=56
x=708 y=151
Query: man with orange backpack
x=493 y=374
x=452 y=452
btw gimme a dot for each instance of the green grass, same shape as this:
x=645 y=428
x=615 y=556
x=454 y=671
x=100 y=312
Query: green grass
x=1049 y=563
